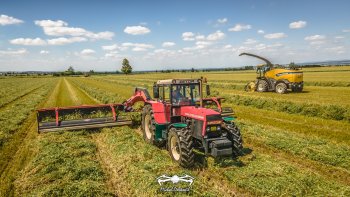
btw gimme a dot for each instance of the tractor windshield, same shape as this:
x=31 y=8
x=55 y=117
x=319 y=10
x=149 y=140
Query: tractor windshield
x=185 y=94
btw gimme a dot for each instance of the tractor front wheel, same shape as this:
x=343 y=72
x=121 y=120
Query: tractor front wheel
x=180 y=146
x=235 y=137
x=148 y=126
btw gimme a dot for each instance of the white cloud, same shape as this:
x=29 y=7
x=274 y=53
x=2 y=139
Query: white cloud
x=112 y=54
x=136 y=30
x=240 y=27
x=28 y=41
x=63 y=41
x=346 y=30
x=339 y=37
x=200 y=37
x=297 y=24
x=260 y=31
x=44 y=52
x=337 y=49
x=16 y=52
x=9 y=20
x=222 y=20
x=110 y=47
x=218 y=35
x=138 y=46
x=315 y=37
x=317 y=42
x=188 y=36
x=87 y=52
x=275 y=36
x=139 y=49
x=203 y=43
x=168 y=44
x=61 y=28
x=250 y=41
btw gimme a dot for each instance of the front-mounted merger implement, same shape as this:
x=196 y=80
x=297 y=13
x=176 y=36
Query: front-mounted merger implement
x=81 y=117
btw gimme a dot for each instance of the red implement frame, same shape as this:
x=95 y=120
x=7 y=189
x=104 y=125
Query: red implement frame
x=80 y=124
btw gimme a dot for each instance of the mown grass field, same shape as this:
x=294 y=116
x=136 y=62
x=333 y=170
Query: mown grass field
x=295 y=144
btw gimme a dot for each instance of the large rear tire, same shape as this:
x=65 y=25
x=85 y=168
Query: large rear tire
x=262 y=86
x=281 y=88
x=180 y=146
x=148 y=126
x=234 y=135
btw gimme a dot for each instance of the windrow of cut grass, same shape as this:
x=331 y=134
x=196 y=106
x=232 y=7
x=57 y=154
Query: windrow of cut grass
x=265 y=175
x=309 y=147
x=333 y=112
x=104 y=92
x=20 y=122
x=63 y=163
x=12 y=89
x=330 y=130
x=14 y=114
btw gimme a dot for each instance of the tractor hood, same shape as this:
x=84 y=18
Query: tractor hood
x=198 y=113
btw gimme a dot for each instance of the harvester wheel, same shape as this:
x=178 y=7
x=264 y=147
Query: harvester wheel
x=180 y=146
x=262 y=86
x=235 y=136
x=299 y=89
x=148 y=126
x=281 y=88
x=250 y=87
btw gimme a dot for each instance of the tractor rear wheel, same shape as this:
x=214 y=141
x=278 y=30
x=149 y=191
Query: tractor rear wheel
x=148 y=126
x=180 y=146
x=262 y=86
x=281 y=88
x=234 y=135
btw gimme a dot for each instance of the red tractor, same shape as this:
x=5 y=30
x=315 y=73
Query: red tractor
x=178 y=117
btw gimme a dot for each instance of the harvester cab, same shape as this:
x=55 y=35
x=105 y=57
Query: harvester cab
x=273 y=78
x=178 y=117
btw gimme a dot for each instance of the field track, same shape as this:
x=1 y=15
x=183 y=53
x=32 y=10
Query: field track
x=285 y=153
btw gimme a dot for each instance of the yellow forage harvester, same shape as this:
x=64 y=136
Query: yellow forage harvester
x=272 y=78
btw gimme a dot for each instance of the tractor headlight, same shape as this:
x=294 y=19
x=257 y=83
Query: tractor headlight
x=208 y=129
x=218 y=128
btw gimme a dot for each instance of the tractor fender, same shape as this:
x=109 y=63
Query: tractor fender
x=158 y=111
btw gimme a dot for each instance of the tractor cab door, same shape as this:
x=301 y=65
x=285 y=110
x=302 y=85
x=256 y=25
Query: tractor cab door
x=164 y=97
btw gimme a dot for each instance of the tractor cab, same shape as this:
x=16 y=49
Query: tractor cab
x=178 y=92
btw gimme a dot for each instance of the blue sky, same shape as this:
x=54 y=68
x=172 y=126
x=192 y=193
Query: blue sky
x=52 y=35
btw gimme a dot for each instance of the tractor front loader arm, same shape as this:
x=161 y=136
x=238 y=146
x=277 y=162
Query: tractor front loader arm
x=140 y=94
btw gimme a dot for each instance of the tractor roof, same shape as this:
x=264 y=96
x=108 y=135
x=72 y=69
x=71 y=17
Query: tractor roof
x=177 y=81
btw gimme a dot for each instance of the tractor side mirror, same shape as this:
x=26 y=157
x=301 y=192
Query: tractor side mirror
x=207 y=87
x=155 y=92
